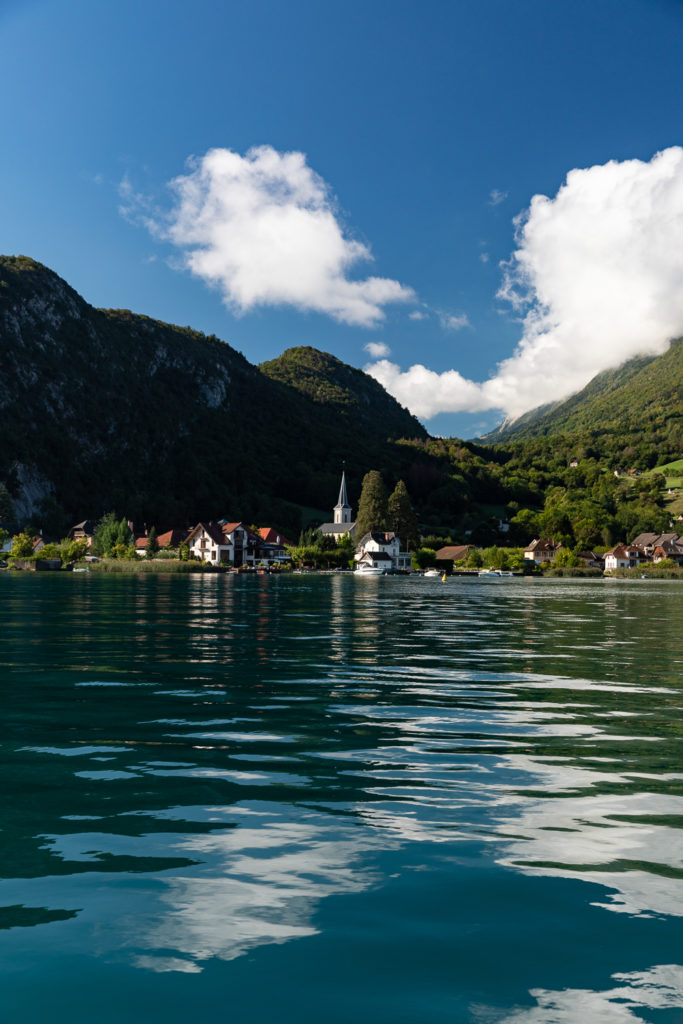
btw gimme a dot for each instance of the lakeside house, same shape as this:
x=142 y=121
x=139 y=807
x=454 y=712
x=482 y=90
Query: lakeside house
x=273 y=546
x=170 y=539
x=382 y=550
x=224 y=543
x=453 y=552
x=540 y=551
x=624 y=556
x=83 y=531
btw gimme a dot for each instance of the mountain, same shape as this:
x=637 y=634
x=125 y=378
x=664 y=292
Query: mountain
x=638 y=404
x=106 y=409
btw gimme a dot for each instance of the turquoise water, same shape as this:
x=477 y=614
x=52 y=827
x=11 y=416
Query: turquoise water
x=329 y=799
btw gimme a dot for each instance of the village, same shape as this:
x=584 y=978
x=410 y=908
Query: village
x=223 y=545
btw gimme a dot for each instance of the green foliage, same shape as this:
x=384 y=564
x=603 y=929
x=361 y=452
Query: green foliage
x=401 y=518
x=424 y=558
x=152 y=544
x=372 y=506
x=22 y=546
x=105 y=536
x=183 y=551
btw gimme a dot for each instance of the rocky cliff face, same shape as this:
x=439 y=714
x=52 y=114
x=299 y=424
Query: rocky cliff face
x=106 y=409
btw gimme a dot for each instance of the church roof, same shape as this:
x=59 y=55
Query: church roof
x=337 y=527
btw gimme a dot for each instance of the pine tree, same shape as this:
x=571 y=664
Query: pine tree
x=152 y=544
x=401 y=518
x=372 y=506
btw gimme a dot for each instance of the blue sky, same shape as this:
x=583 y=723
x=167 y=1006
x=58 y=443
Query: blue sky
x=424 y=128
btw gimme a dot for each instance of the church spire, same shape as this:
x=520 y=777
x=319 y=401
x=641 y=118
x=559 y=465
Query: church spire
x=342 y=510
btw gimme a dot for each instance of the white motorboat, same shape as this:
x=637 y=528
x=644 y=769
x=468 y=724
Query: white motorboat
x=494 y=572
x=369 y=570
x=433 y=573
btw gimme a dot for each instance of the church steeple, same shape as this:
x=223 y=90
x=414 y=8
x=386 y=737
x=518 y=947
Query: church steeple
x=342 y=510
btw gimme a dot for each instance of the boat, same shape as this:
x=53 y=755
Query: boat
x=432 y=573
x=494 y=572
x=368 y=570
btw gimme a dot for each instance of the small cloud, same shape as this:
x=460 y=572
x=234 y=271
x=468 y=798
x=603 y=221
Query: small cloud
x=484 y=257
x=497 y=196
x=454 y=321
x=377 y=349
x=417 y=315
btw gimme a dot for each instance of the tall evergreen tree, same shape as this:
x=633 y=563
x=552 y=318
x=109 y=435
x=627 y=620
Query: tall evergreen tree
x=401 y=518
x=372 y=506
x=152 y=543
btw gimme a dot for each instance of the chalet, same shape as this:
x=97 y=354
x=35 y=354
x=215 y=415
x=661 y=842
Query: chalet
x=624 y=556
x=342 y=516
x=83 y=531
x=223 y=543
x=382 y=550
x=573 y=463
x=540 y=551
x=272 y=546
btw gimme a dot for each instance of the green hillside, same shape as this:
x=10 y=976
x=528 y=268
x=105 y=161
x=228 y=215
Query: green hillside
x=633 y=414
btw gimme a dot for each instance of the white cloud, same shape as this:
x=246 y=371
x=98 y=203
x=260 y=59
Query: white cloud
x=417 y=315
x=599 y=273
x=264 y=229
x=496 y=197
x=377 y=349
x=453 y=321
x=484 y=257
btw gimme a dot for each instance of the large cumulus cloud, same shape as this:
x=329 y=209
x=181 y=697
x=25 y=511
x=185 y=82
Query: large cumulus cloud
x=597 y=276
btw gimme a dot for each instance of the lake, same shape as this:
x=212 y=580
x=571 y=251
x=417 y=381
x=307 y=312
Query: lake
x=320 y=798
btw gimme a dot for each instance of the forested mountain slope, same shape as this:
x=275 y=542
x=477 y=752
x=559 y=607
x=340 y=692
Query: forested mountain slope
x=633 y=413
x=109 y=409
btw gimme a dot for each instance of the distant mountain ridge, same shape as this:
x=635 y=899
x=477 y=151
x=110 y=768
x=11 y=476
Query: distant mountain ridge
x=641 y=399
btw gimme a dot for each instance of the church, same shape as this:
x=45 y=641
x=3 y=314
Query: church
x=342 y=522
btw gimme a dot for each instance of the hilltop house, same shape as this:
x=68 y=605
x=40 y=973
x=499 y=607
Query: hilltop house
x=382 y=550
x=342 y=522
x=540 y=551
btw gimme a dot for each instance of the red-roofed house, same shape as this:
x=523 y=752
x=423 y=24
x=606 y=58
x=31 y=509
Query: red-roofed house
x=273 y=544
x=171 y=539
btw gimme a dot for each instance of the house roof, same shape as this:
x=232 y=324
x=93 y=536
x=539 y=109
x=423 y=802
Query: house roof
x=379 y=537
x=271 y=536
x=454 y=551
x=213 y=530
x=87 y=526
x=542 y=545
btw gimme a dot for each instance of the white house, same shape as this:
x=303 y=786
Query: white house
x=382 y=550
x=624 y=556
x=223 y=543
